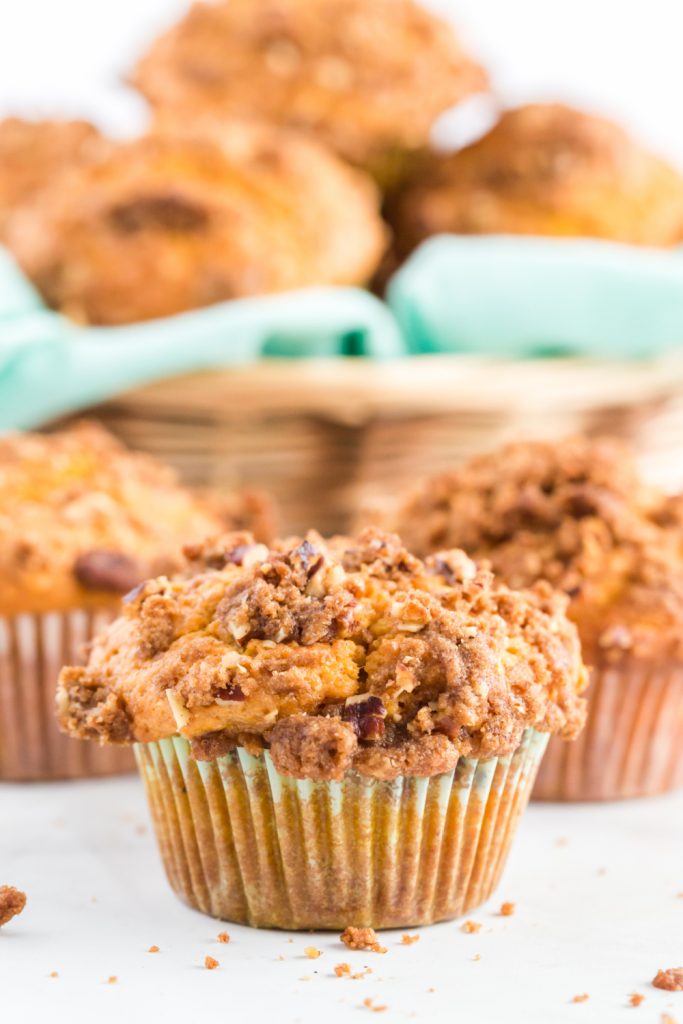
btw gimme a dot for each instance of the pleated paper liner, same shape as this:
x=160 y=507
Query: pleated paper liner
x=241 y=842
x=33 y=648
x=632 y=745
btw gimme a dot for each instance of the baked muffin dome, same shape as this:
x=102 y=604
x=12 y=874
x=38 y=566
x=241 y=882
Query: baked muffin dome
x=179 y=220
x=34 y=153
x=545 y=170
x=576 y=514
x=352 y=654
x=82 y=519
x=368 y=77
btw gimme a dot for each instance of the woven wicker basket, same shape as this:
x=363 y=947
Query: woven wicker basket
x=325 y=437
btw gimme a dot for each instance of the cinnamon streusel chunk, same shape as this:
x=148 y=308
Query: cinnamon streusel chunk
x=12 y=902
x=338 y=656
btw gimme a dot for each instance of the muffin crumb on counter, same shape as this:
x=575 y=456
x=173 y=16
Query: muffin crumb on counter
x=671 y=979
x=506 y=909
x=223 y=937
x=12 y=902
x=583 y=998
x=211 y=963
x=635 y=999
x=409 y=940
x=470 y=927
x=362 y=939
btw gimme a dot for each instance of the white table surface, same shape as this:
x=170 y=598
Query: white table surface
x=597 y=911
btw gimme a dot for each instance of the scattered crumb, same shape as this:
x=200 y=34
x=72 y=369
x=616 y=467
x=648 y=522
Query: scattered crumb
x=370 y=1005
x=562 y=841
x=361 y=974
x=507 y=909
x=679 y=895
x=477 y=956
x=342 y=969
x=54 y=974
x=223 y=937
x=667 y=1019
x=279 y=957
x=153 y=949
x=112 y=979
x=12 y=902
x=635 y=999
x=409 y=940
x=671 y=980
x=361 y=938
x=470 y=927
x=601 y=871
x=312 y=953
x=290 y=941
x=431 y=989
x=581 y=999
x=306 y=977
x=210 y=963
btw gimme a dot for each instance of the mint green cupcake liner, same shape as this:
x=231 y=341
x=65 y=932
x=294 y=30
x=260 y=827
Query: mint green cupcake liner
x=243 y=843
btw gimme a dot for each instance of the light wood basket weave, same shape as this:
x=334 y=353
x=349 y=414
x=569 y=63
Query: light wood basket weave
x=326 y=437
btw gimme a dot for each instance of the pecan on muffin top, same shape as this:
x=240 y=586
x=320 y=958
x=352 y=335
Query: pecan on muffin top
x=577 y=514
x=351 y=654
x=83 y=519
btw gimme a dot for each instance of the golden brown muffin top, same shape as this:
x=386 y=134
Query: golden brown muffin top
x=339 y=655
x=82 y=519
x=545 y=169
x=186 y=218
x=369 y=77
x=577 y=514
x=34 y=153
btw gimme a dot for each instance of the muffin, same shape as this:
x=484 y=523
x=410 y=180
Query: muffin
x=544 y=170
x=35 y=153
x=331 y=734
x=368 y=77
x=577 y=515
x=82 y=521
x=184 y=219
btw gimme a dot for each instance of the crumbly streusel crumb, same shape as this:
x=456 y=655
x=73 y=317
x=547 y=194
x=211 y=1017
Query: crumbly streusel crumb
x=153 y=949
x=12 y=902
x=507 y=909
x=470 y=927
x=408 y=940
x=342 y=970
x=361 y=938
x=211 y=963
x=671 y=979
x=312 y=953
x=223 y=937
x=370 y=1004
x=582 y=998
x=635 y=999
x=112 y=979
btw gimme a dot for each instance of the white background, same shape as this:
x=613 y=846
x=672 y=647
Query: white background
x=621 y=57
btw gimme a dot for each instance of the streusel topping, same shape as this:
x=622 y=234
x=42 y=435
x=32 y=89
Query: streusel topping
x=577 y=514
x=82 y=519
x=350 y=654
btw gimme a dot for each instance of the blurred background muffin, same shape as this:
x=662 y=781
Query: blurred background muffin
x=576 y=513
x=184 y=219
x=34 y=153
x=82 y=521
x=367 y=77
x=544 y=169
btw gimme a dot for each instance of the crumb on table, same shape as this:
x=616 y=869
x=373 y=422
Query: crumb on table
x=470 y=927
x=312 y=953
x=370 y=1004
x=671 y=979
x=361 y=938
x=210 y=963
x=583 y=998
x=153 y=949
x=507 y=909
x=635 y=999
x=12 y=902
x=342 y=970
x=223 y=937
x=409 y=940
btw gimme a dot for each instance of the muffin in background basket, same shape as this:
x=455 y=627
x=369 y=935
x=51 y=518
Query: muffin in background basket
x=189 y=217
x=33 y=154
x=82 y=521
x=576 y=514
x=367 y=77
x=332 y=734
x=544 y=169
